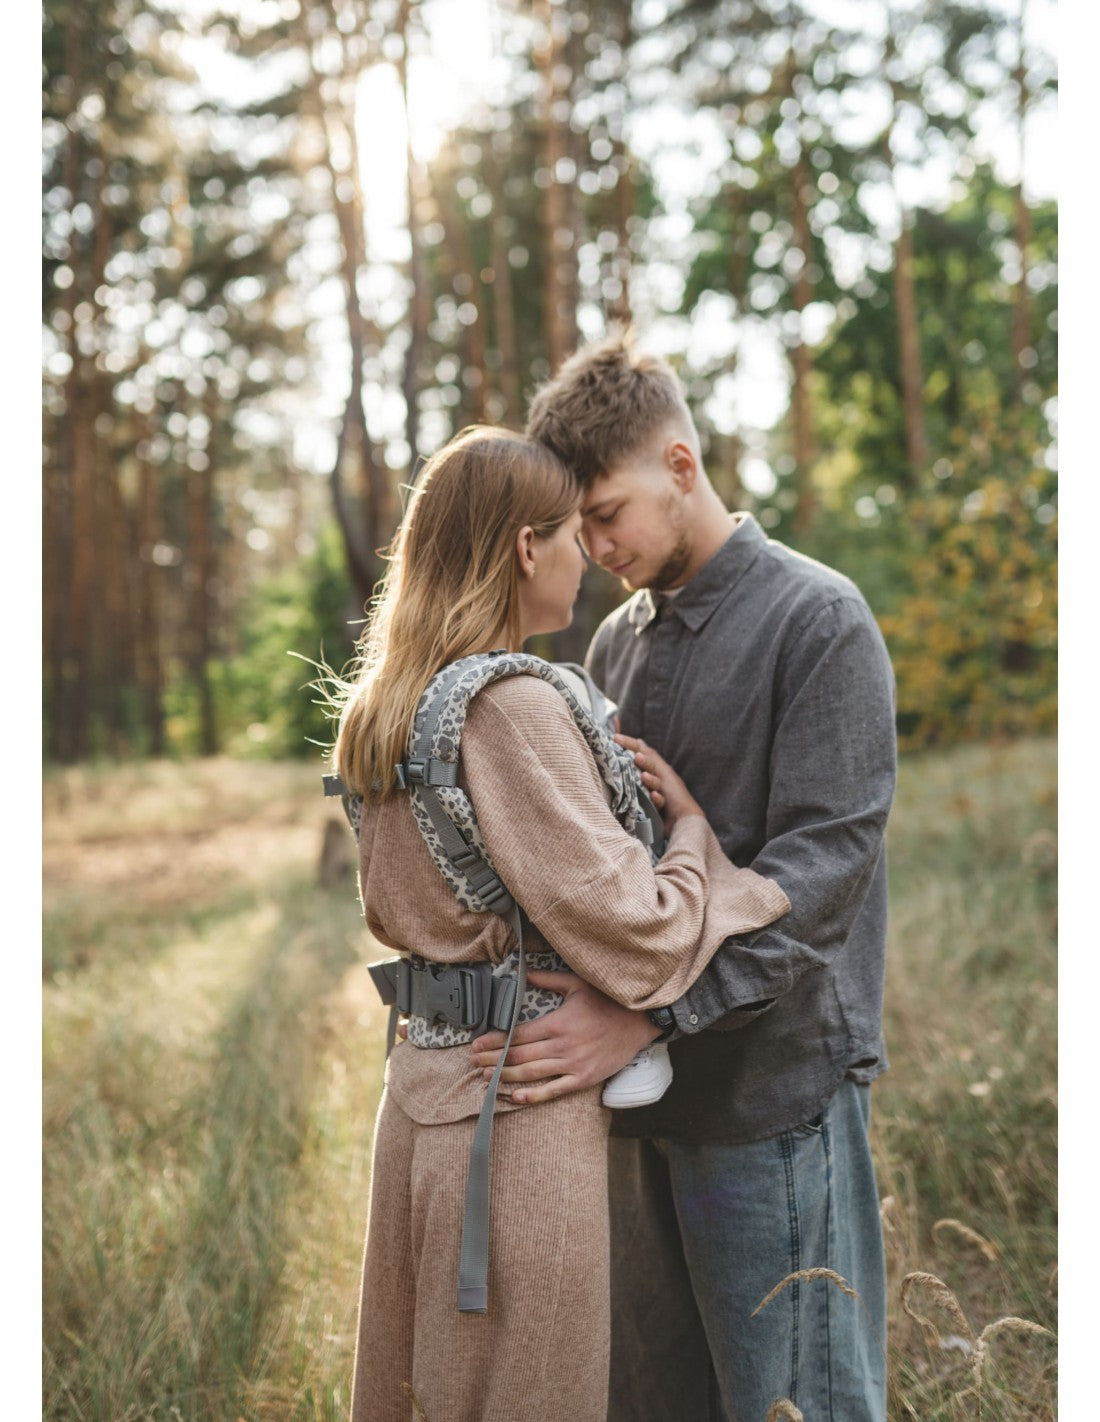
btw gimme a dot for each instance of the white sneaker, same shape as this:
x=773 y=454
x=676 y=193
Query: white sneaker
x=642 y=1081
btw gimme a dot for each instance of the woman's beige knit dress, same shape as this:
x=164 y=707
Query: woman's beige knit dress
x=641 y=935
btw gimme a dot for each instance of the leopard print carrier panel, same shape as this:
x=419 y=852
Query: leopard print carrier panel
x=437 y=733
x=435 y=738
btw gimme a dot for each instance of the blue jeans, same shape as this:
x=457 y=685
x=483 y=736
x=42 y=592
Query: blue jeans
x=700 y=1234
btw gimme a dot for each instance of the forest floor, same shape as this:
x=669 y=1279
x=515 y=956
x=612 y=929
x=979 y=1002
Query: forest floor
x=213 y=1048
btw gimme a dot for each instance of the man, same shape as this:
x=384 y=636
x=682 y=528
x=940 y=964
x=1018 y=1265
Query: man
x=763 y=678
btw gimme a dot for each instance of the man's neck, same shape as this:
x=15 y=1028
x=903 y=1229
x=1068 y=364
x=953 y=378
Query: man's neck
x=710 y=532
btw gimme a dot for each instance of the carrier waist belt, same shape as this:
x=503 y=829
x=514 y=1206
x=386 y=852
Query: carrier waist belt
x=449 y=1004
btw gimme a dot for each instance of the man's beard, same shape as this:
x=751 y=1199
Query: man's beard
x=671 y=570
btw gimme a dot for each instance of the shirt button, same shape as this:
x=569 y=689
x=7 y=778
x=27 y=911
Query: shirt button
x=694 y=1019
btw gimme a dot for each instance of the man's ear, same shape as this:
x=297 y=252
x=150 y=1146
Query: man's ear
x=525 y=551
x=681 y=460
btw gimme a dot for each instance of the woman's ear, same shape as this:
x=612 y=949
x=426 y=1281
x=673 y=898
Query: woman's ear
x=525 y=551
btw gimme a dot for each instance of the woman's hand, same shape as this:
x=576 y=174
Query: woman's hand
x=667 y=790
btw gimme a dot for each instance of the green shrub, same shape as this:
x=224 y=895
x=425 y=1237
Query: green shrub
x=300 y=617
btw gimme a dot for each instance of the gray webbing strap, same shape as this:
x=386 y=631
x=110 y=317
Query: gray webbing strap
x=482 y=879
x=473 y=1265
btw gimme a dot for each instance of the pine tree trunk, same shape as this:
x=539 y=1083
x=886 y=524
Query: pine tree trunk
x=618 y=309
x=418 y=300
x=147 y=635
x=802 y=359
x=912 y=377
x=458 y=266
x=362 y=534
x=1021 y=306
x=200 y=506
x=905 y=298
x=504 y=320
x=113 y=663
x=559 y=234
x=732 y=490
x=70 y=730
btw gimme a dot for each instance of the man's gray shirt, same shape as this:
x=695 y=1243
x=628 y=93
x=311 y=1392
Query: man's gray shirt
x=766 y=683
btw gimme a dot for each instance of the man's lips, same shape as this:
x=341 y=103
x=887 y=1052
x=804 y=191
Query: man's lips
x=618 y=569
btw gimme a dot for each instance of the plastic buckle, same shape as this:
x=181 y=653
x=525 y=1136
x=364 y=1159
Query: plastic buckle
x=403 y=986
x=416 y=768
x=439 y=993
x=503 y=1001
x=475 y=992
x=384 y=975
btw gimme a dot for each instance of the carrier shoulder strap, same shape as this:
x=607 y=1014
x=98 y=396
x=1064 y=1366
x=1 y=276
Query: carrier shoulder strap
x=430 y=770
x=445 y=816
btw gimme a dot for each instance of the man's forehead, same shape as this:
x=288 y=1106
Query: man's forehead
x=606 y=488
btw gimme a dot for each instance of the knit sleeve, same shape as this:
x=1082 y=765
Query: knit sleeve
x=641 y=934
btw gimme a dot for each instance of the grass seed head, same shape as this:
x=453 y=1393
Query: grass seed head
x=949 y=1226
x=940 y=1295
x=806 y=1274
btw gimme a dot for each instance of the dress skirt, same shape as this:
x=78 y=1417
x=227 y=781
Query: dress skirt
x=542 y=1349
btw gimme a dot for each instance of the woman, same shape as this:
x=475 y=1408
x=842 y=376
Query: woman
x=488 y=556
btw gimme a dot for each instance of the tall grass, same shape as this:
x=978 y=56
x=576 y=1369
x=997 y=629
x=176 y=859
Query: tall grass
x=965 y=1129
x=212 y=1063
x=181 y=1069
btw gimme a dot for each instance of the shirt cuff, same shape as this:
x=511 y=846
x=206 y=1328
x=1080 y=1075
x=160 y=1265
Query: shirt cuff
x=743 y=981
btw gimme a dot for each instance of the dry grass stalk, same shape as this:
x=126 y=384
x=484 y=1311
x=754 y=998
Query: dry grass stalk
x=783 y=1410
x=1001 y=1325
x=941 y=1295
x=988 y=1250
x=981 y=1350
x=806 y=1274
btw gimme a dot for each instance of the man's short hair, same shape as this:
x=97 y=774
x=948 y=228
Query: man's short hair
x=603 y=404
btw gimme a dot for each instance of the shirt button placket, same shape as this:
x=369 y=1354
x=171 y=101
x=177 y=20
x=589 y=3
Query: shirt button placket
x=662 y=665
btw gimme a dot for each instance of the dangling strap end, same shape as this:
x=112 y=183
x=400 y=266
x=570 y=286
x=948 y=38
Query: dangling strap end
x=473 y=1300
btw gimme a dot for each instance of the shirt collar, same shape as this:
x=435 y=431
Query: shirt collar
x=696 y=601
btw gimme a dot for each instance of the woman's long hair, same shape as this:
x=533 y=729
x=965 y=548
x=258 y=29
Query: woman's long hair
x=452 y=588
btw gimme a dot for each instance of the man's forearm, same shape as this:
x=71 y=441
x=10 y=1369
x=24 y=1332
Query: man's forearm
x=750 y=973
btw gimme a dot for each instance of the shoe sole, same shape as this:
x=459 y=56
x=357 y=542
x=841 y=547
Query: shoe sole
x=618 y=1099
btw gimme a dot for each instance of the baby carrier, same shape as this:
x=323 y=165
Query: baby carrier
x=463 y=1000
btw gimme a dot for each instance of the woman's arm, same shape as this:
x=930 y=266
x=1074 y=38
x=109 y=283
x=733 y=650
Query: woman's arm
x=639 y=933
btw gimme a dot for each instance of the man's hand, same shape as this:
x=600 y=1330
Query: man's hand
x=586 y=1040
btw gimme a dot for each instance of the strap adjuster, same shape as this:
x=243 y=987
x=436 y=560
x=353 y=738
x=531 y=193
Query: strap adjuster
x=492 y=894
x=426 y=770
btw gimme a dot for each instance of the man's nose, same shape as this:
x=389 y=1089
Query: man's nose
x=597 y=545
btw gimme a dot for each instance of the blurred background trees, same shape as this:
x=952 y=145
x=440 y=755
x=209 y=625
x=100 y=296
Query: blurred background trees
x=290 y=246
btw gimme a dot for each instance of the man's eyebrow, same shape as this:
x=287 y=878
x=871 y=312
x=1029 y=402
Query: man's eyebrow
x=587 y=509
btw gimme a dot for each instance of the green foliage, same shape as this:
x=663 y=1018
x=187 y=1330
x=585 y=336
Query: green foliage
x=962 y=260
x=294 y=619
x=974 y=644
x=187 y=238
